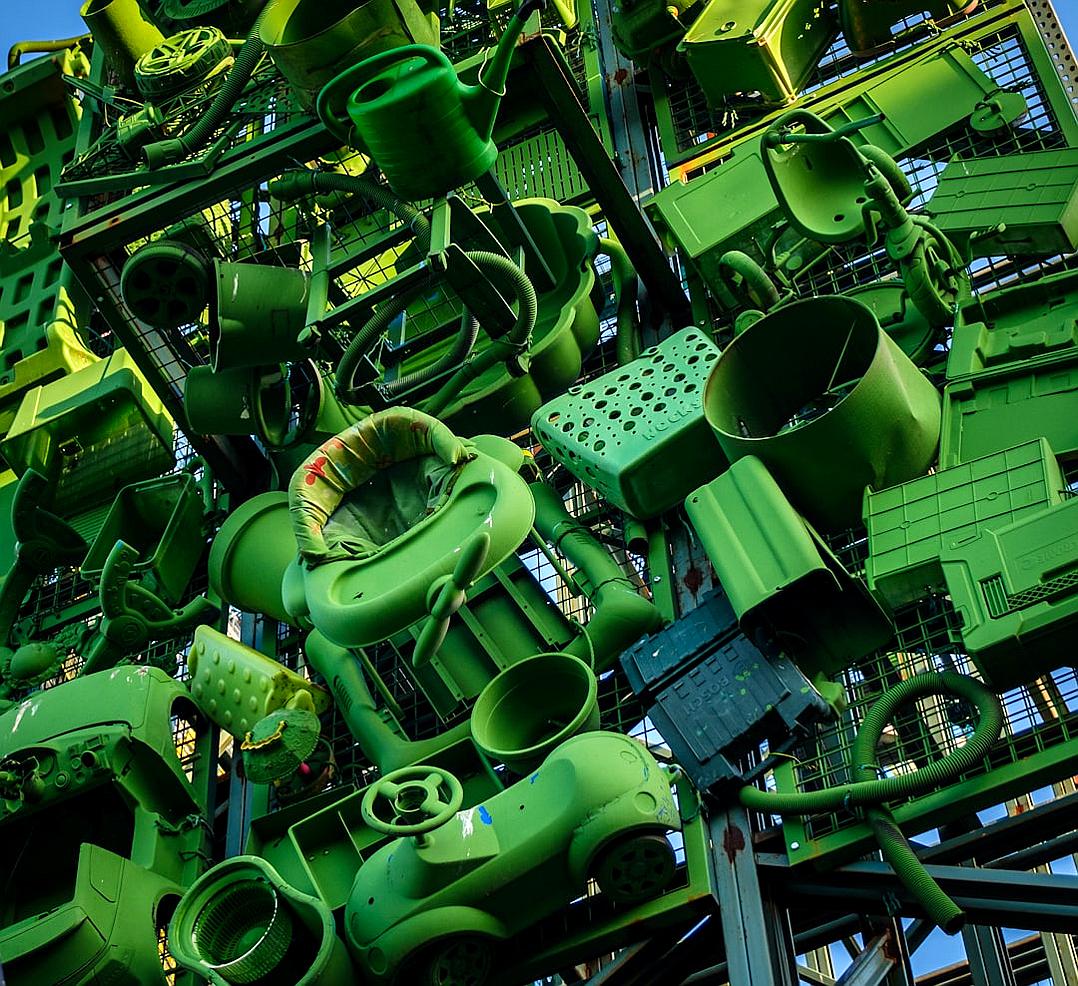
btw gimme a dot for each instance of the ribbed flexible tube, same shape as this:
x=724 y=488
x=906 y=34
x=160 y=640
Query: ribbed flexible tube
x=457 y=354
x=517 y=339
x=627 y=340
x=380 y=320
x=295 y=184
x=873 y=793
x=165 y=152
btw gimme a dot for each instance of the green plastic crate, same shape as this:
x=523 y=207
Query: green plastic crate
x=162 y=518
x=1009 y=405
x=93 y=431
x=1033 y=195
x=638 y=434
x=765 y=46
x=910 y=524
x=1039 y=318
x=1016 y=589
x=779 y=574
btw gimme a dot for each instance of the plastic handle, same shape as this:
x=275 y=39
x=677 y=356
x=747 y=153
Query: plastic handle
x=333 y=99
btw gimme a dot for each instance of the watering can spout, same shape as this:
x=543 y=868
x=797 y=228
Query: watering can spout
x=485 y=98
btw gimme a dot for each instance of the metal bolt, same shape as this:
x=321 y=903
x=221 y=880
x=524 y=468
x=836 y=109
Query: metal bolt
x=795 y=845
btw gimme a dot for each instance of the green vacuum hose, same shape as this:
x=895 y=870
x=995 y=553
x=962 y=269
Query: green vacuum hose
x=872 y=794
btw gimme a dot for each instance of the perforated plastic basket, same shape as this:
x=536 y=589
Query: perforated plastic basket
x=638 y=434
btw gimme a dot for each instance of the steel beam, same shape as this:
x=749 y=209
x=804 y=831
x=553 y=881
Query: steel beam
x=618 y=207
x=993 y=897
x=759 y=947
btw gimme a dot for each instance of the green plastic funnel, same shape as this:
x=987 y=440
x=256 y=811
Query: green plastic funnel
x=532 y=707
x=241 y=923
x=829 y=402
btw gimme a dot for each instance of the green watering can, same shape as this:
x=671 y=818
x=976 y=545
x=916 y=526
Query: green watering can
x=408 y=108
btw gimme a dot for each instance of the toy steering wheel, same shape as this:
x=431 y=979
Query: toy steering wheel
x=415 y=795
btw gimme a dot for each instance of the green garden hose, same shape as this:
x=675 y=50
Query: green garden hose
x=517 y=340
x=872 y=794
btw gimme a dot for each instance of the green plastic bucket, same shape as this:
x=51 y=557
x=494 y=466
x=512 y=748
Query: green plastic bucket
x=829 y=403
x=257 y=315
x=249 y=556
x=534 y=706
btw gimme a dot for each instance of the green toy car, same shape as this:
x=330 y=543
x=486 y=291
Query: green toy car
x=433 y=906
x=103 y=826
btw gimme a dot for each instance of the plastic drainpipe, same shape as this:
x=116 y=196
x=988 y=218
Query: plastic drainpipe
x=871 y=794
x=376 y=738
x=622 y=616
x=627 y=340
x=165 y=152
x=513 y=345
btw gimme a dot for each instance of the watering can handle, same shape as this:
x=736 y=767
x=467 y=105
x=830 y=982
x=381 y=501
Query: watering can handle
x=817 y=130
x=333 y=99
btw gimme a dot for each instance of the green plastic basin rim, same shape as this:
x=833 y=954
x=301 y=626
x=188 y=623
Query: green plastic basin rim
x=486 y=705
x=230 y=534
x=222 y=909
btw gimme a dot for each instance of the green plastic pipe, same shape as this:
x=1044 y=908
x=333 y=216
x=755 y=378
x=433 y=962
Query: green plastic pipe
x=627 y=340
x=20 y=48
x=385 y=748
x=622 y=616
x=872 y=794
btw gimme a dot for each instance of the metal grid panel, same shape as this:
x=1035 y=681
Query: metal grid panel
x=1040 y=715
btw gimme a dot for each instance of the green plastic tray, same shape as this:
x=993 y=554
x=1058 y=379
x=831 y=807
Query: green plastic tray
x=1016 y=589
x=765 y=46
x=1033 y=196
x=638 y=434
x=999 y=408
x=910 y=524
x=1039 y=318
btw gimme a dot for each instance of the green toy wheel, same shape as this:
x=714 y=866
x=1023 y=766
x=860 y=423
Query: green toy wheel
x=165 y=284
x=635 y=868
x=182 y=62
x=421 y=799
x=463 y=960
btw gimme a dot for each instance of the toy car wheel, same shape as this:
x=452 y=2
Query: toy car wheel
x=464 y=960
x=635 y=868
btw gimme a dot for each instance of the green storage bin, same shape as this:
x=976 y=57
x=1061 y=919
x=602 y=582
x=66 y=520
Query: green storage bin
x=638 y=434
x=910 y=524
x=1034 y=195
x=1009 y=405
x=1039 y=318
x=162 y=519
x=1016 y=590
x=780 y=576
x=765 y=46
